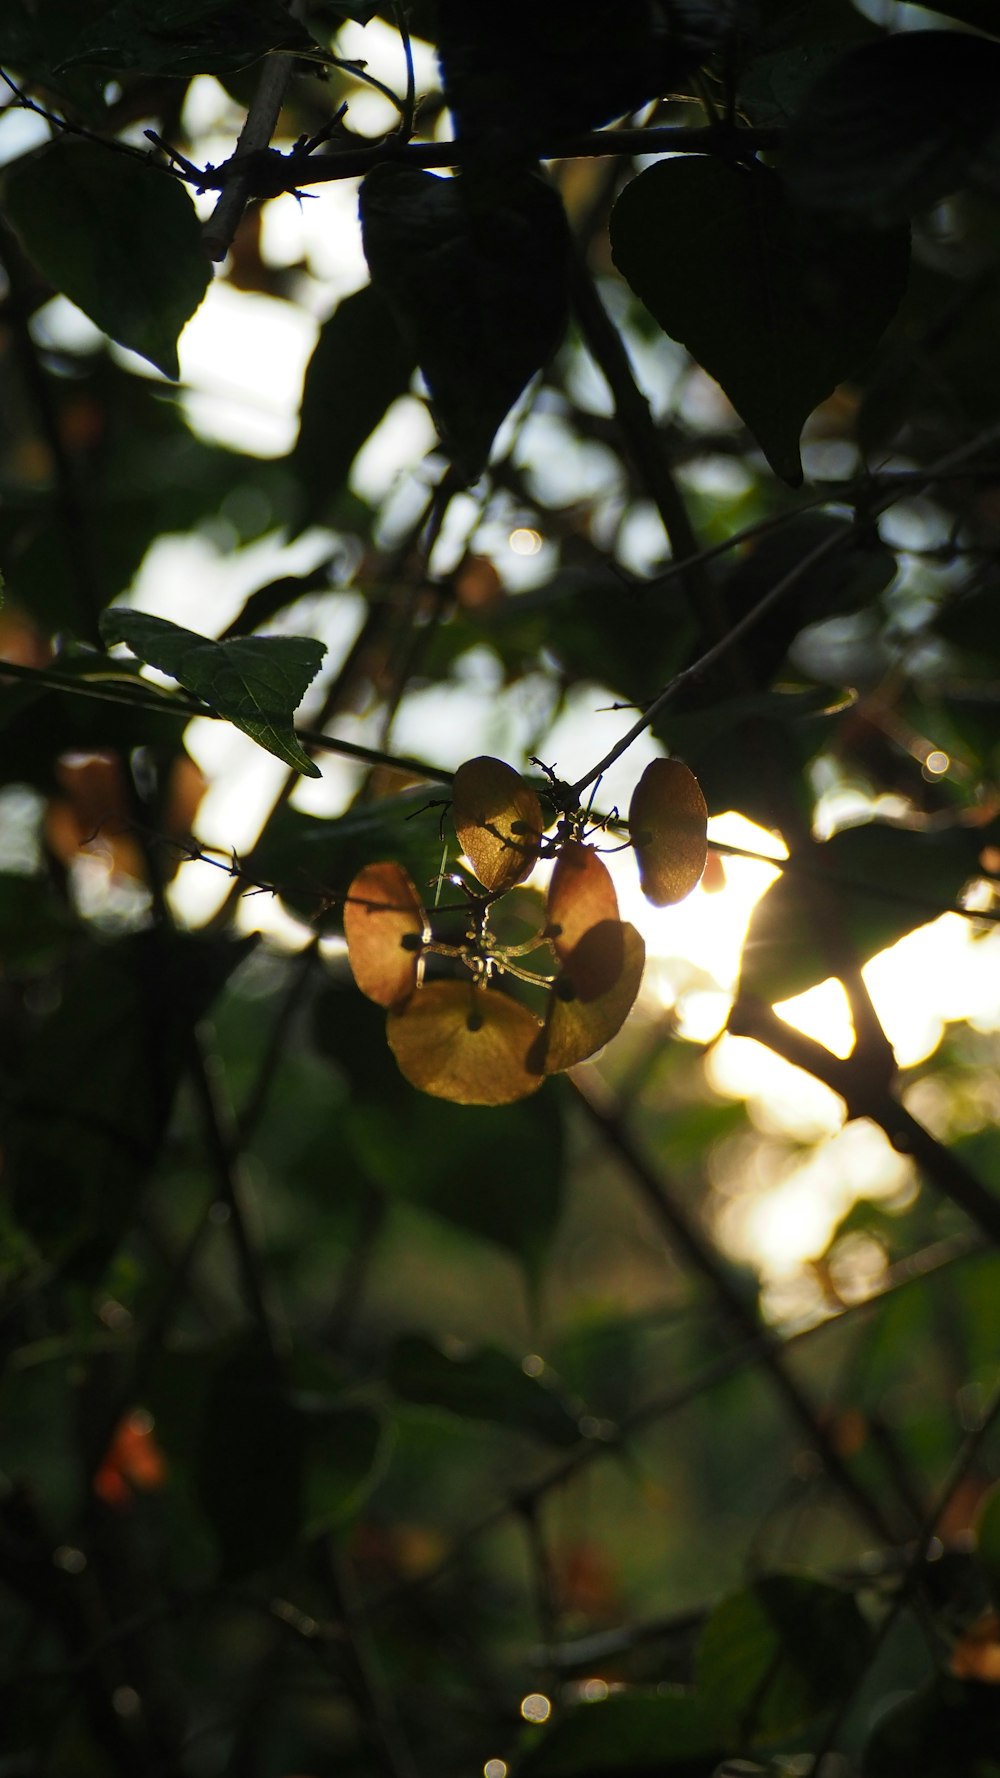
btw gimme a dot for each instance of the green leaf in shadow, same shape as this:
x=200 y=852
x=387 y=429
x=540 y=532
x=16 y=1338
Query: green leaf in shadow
x=254 y=682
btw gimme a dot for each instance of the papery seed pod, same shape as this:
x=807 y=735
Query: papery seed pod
x=668 y=820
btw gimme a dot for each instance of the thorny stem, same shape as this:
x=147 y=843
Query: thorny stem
x=261 y=122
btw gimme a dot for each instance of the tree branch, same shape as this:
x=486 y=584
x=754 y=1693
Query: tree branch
x=683 y=1235
x=239 y=189
x=850 y=1077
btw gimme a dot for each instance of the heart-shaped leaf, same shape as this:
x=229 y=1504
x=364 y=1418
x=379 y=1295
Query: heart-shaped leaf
x=120 y=240
x=477 y=273
x=583 y=924
x=775 y=305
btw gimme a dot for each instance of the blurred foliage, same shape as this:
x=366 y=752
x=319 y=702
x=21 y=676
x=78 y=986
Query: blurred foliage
x=346 y=1429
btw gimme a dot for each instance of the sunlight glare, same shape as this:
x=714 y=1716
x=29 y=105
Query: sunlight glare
x=796 y=1218
x=243 y=357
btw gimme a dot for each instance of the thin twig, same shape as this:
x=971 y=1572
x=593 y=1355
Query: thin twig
x=365 y=1681
x=253 y=1108
x=222 y=1144
x=915 y=1269
x=829 y=547
x=644 y=444
x=118 y=690
x=686 y=1238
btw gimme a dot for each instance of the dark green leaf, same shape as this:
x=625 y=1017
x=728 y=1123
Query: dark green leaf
x=35 y=926
x=97 y=1085
x=307 y=857
x=895 y=125
x=947 y=1730
x=777 y=1655
x=359 y=366
x=486 y=1384
x=343 y=1458
x=119 y=239
x=774 y=82
x=578 y=75
x=476 y=272
x=769 y=303
x=496 y=1172
x=887 y=880
x=634 y=1734
x=979 y=15
x=255 y=682
x=251 y=1462
x=186 y=37
x=39 y=724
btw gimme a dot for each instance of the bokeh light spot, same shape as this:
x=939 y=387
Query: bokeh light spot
x=524 y=542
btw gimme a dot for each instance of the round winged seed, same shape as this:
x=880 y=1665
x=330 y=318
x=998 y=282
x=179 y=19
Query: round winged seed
x=668 y=819
x=498 y=820
x=464 y=1043
x=384 y=924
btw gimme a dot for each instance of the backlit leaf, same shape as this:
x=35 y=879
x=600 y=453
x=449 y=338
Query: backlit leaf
x=887 y=880
x=765 y=299
x=668 y=821
x=255 y=682
x=578 y=1027
x=120 y=241
x=382 y=912
x=583 y=922
x=458 y=1042
x=498 y=820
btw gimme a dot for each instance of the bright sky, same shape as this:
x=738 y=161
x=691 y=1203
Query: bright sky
x=243 y=357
